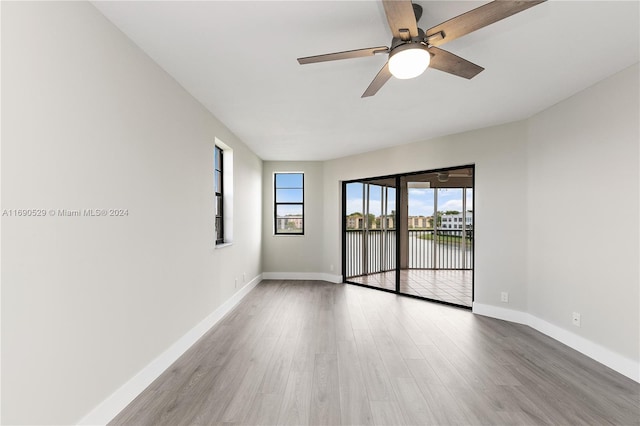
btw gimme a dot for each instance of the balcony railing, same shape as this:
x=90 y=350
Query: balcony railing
x=379 y=251
x=374 y=251
x=445 y=250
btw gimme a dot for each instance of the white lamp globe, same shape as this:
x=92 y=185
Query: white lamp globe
x=409 y=60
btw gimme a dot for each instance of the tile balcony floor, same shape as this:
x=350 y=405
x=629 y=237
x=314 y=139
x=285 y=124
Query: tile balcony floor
x=452 y=286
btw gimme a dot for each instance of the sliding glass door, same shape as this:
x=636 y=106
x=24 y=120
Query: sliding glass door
x=411 y=234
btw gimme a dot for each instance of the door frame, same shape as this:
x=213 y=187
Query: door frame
x=398 y=177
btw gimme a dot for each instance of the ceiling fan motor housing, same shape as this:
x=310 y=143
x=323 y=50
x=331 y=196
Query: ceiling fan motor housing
x=421 y=38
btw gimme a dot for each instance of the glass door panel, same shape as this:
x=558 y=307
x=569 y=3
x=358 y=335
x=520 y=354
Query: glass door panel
x=370 y=244
x=436 y=242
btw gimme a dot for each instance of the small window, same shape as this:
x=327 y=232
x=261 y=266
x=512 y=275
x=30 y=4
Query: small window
x=218 y=188
x=289 y=203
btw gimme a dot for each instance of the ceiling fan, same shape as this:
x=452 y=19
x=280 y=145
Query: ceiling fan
x=413 y=50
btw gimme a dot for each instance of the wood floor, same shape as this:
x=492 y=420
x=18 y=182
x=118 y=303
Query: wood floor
x=311 y=352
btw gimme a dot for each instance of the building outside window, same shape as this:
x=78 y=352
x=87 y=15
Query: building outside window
x=458 y=221
x=289 y=203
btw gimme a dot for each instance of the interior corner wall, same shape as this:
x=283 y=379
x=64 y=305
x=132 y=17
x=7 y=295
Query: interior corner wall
x=583 y=231
x=556 y=213
x=500 y=203
x=90 y=122
x=293 y=255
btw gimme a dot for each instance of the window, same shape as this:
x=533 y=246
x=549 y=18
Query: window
x=218 y=188
x=289 y=203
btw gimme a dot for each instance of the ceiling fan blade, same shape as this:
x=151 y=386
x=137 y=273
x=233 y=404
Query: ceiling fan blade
x=475 y=19
x=448 y=62
x=359 y=53
x=381 y=78
x=401 y=18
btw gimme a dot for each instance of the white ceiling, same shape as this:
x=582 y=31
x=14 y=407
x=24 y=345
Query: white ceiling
x=238 y=58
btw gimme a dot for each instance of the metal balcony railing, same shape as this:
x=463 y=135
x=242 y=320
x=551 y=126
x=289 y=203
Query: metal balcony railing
x=446 y=249
x=374 y=251
x=379 y=250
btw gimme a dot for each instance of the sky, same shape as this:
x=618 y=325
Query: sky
x=420 y=200
x=289 y=189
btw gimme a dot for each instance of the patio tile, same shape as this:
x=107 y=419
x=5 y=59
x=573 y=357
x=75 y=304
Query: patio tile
x=453 y=286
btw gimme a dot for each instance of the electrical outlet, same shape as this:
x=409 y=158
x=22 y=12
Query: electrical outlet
x=504 y=297
x=576 y=319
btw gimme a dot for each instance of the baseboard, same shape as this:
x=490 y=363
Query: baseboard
x=613 y=360
x=110 y=407
x=501 y=313
x=306 y=276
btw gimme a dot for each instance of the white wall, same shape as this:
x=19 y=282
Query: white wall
x=88 y=121
x=293 y=253
x=583 y=167
x=499 y=155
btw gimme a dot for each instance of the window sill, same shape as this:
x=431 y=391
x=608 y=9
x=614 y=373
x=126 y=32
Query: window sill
x=288 y=235
x=223 y=245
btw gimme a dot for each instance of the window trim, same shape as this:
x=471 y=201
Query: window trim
x=220 y=152
x=276 y=204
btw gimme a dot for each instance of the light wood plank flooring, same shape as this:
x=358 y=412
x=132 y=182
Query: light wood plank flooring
x=311 y=352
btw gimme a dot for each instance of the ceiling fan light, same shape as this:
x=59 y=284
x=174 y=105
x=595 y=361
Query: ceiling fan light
x=409 y=61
